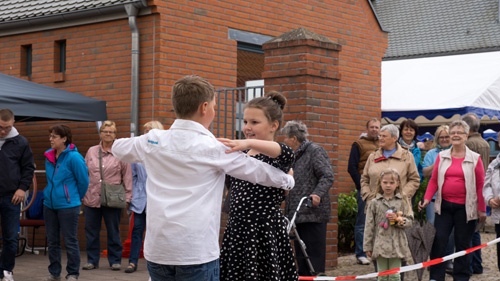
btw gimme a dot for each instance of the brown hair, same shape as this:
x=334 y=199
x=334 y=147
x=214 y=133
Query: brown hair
x=272 y=104
x=410 y=123
x=189 y=93
x=6 y=114
x=370 y=121
x=395 y=176
x=62 y=131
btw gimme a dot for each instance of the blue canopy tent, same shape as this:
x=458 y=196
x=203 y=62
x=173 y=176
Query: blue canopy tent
x=437 y=90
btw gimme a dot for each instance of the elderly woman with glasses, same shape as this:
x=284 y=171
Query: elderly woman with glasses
x=457 y=180
x=390 y=154
x=113 y=171
x=442 y=141
x=313 y=176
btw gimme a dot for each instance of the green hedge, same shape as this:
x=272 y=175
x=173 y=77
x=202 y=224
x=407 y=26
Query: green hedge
x=348 y=209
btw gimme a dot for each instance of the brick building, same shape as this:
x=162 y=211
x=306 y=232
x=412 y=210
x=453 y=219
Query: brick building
x=130 y=52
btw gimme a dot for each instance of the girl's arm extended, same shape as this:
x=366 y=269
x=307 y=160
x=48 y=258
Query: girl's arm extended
x=269 y=148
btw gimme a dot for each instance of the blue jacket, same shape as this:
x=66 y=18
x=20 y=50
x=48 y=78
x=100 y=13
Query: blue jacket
x=67 y=178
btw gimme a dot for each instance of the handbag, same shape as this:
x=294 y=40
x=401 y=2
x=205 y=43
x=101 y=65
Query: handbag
x=112 y=195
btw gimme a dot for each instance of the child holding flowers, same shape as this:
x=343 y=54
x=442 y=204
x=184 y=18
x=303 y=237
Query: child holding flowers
x=386 y=217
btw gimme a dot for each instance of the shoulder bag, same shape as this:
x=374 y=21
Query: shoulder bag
x=112 y=195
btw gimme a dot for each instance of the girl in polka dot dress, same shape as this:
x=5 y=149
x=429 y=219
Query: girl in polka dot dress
x=256 y=245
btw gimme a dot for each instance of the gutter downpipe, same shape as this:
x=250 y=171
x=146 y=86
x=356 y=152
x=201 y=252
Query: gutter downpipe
x=132 y=13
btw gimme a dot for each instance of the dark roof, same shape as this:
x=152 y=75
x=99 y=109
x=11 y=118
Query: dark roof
x=23 y=16
x=12 y=10
x=430 y=28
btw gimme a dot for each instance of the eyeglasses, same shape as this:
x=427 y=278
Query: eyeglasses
x=6 y=129
x=108 y=132
x=444 y=137
x=458 y=133
x=52 y=136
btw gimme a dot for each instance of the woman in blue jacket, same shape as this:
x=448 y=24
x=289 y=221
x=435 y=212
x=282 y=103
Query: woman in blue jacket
x=67 y=183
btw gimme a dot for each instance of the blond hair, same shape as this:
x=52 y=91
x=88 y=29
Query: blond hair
x=153 y=125
x=108 y=123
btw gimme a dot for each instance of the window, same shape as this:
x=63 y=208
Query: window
x=60 y=56
x=26 y=60
x=250 y=63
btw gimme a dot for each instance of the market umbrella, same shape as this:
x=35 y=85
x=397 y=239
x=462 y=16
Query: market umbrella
x=420 y=238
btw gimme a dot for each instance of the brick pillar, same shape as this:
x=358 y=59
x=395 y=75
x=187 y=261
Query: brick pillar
x=304 y=67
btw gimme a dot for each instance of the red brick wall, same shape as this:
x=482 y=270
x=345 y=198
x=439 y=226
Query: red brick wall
x=191 y=37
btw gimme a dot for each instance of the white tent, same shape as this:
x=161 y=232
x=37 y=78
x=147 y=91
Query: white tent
x=437 y=90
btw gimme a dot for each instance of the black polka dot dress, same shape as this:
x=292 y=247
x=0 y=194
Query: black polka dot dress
x=256 y=245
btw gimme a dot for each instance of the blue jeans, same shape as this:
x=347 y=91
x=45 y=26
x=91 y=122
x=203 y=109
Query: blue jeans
x=93 y=217
x=430 y=212
x=200 y=272
x=63 y=222
x=452 y=215
x=9 y=214
x=359 y=228
x=137 y=234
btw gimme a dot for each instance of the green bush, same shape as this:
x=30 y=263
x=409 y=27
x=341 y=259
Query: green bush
x=419 y=195
x=348 y=209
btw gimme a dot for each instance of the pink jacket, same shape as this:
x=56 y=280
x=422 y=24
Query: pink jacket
x=114 y=171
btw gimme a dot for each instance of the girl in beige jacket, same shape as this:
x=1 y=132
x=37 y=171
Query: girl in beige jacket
x=387 y=216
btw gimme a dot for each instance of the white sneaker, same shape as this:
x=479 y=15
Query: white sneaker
x=7 y=276
x=52 y=278
x=363 y=260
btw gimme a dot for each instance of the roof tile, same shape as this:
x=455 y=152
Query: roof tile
x=12 y=10
x=426 y=28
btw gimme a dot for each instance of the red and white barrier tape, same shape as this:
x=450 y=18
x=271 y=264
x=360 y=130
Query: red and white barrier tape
x=404 y=268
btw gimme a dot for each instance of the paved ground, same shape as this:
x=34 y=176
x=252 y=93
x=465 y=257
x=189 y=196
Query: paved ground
x=347 y=264
x=32 y=267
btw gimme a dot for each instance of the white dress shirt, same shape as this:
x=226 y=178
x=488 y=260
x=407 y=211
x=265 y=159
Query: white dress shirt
x=186 y=168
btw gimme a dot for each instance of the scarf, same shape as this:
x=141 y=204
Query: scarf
x=410 y=146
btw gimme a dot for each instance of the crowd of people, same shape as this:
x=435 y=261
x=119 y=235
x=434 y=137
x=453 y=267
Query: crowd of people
x=454 y=170
x=179 y=175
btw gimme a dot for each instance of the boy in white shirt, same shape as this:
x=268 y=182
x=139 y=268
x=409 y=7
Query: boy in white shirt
x=186 y=168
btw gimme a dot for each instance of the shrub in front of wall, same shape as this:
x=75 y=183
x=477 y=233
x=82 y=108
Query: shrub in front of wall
x=348 y=209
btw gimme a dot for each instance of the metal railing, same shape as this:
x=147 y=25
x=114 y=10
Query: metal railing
x=228 y=121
